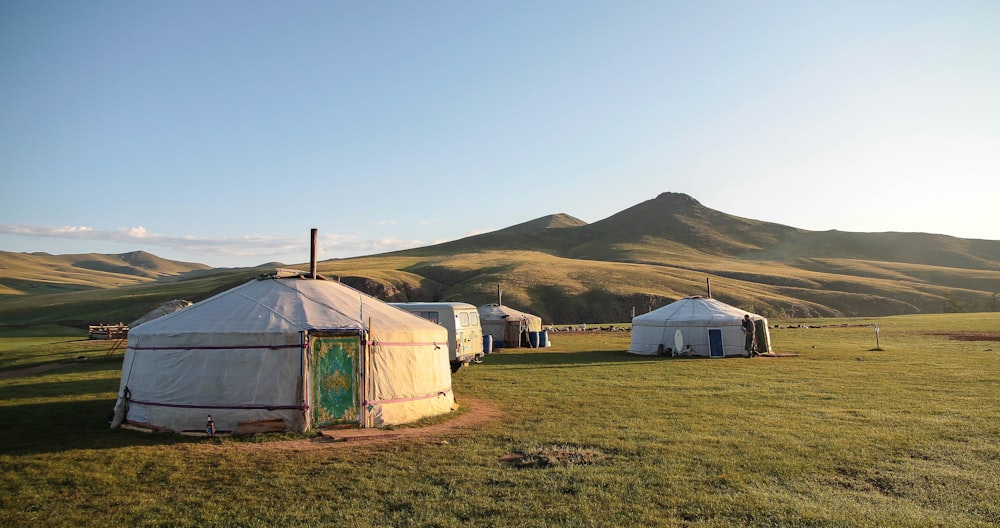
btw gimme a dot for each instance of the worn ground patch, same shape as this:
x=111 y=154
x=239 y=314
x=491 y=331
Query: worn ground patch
x=480 y=412
x=968 y=336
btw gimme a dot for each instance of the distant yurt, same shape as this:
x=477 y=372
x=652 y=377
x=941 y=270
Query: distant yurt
x=509 y=327
x=697 y=326
x=284 y=353
x=160 y=310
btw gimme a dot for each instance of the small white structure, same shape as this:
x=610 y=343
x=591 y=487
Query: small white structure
x=292 y=352
x=696 y=326
x=160 y=310
x=509 y=327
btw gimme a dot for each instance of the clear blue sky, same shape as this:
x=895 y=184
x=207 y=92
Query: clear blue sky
x=221 y=132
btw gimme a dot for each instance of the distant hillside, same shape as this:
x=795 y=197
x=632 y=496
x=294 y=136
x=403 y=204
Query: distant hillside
x=569 y=271
x=120 y=303
x=667 y=247
x=549 y=234
x=675 y=220
x=40 y=273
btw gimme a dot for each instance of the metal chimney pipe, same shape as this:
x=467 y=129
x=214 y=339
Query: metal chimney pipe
x=708 y=285
x=312 y=253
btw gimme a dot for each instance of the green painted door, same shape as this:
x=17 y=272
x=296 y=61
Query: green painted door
x=334 y=383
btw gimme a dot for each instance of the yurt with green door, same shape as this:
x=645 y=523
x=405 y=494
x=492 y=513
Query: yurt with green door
x=299 y=352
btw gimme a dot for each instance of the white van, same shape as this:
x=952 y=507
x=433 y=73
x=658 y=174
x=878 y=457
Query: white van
x=465 y=335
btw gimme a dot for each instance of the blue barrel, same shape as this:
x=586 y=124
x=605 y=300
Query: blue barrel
x=487 y=344
x=543 y=339
x=533 y=339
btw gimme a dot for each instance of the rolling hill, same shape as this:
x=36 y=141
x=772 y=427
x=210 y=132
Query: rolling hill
x=568 y=271
x=667 y=247
x=35 y=273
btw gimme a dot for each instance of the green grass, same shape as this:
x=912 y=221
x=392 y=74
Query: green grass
x=838 y=435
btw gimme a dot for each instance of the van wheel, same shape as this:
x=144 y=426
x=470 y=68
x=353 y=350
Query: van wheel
x=456 y=366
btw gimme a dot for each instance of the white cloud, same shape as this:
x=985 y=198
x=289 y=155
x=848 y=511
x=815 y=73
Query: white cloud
x=353 y=246
x=81 y=232
x=244 y=247
x=135 y=232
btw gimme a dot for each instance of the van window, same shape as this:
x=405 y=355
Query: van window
x=474 y=317
x=463 y=317
x=430 y=316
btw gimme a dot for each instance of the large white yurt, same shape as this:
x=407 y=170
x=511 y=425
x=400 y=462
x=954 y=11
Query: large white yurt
x=508 y=326
x=293 y=351
x=697 y=326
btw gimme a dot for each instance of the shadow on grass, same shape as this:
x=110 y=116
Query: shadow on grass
x=63 y=426
x=54 y=389
x=37 y=368
x=566 y=359
x=42 y=331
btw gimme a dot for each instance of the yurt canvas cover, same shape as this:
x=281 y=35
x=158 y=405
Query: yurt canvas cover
x=297 y=350
x=711 y=328
x=505 y=324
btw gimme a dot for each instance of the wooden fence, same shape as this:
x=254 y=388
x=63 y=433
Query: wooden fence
x=108 y=331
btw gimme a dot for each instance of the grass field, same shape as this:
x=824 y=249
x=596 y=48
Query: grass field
x=838 y=435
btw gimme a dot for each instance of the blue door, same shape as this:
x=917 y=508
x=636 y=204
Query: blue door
x=715 y=343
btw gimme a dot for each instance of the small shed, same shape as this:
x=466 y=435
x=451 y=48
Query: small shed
x=509 y=327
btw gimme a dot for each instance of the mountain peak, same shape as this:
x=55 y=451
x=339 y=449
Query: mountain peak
x=675 y=199
x=553 y=221
x=560 y=220
x=149 y=261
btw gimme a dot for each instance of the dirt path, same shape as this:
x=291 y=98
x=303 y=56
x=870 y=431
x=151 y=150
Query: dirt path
x=480 y=412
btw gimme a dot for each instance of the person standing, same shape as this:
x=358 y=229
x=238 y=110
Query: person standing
x=749 y=329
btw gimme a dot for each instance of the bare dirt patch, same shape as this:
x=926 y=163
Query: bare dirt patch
x=969 y=336
x=479 y=412
x=553 y=456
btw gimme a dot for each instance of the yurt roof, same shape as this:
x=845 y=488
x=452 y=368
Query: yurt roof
x=499 y=311
x=701 y=311
x=280 y=305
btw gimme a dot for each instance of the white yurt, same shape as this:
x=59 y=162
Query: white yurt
x=160 y=310
x=289 y=352
x=508 y=326
x=697 y=326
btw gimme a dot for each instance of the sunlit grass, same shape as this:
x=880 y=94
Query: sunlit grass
x=837 y=435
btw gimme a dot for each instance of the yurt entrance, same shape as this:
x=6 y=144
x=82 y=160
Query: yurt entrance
x=512 y=333
x=336 y=371
x=715 y=343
